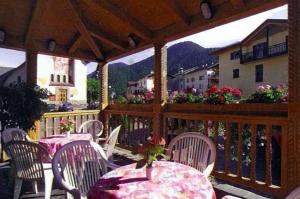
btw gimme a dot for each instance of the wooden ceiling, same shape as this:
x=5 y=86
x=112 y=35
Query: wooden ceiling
x=97 y=30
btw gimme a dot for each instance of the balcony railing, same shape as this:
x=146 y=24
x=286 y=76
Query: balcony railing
x=251 y=139
x=271 y=51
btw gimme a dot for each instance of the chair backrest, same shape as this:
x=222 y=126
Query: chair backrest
x=27 y=158
x=14 y=134
x=111 y=142
x=294 y=194
x=195 y=150
x=78 y=165
x=94 y=127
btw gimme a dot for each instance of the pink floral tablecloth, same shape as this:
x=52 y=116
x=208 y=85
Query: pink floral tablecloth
x=171 y=180
x=55 y=142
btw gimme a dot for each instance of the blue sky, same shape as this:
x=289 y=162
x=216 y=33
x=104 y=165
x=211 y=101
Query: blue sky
x=230 y=33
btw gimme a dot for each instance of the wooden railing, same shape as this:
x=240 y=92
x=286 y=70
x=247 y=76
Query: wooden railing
x=251 y=149
x=250 y=138
x=49 y=123
x=136 y=121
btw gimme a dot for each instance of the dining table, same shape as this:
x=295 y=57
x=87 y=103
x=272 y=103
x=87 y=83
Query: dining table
x=54 y=142
x=169 y=180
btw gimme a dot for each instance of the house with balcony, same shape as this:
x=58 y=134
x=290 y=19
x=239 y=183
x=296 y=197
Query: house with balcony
x=261 y=58
x=65 y=79
x=199 y=78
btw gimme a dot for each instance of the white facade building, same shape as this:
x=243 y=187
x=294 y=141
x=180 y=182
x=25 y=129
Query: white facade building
x=64 y=78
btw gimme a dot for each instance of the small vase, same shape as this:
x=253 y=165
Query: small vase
x=68 y=133
x=149 y=172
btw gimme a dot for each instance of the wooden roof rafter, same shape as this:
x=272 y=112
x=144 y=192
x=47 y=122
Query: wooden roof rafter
x=76 y=41
x=139 y=28
x=182 y=17
x=39 y=8
x=78 y=22
x=108 y=38
x=237 y=3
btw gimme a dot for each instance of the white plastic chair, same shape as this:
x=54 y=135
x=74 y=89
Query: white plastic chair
x=78 y=165
x=94 y=127
x=294 y=194
x=195 y=150
x=27 y=159
x=111 y=142
x=14 y=134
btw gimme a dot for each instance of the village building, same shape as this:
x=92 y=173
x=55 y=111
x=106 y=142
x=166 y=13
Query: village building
x=199 y=78
x=261 y=58
x=65 y=79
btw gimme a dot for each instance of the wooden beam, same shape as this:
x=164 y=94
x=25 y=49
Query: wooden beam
x=178 y=11
x=39 y=9
x=139 y=28
x=78 y=22
x=31 y=67
x=75 y=44
x=108 y=39
x=237 y=3
x=223 y=13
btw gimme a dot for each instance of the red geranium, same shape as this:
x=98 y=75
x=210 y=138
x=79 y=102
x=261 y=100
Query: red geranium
x=226 y=89
x=236 y=92
x=213 y=90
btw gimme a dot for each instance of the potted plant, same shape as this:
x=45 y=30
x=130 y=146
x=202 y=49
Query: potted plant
x=152 y=151
x=67 y=126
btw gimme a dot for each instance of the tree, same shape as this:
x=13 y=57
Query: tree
x=92 y=90
x=21 y=106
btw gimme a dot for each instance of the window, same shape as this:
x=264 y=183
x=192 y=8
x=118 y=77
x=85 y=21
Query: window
x=201 y=77
x=64 y=79
x=187 y=80
x=58 y=78
x=192 y=79
x=235 y=55
x=236 y=73
x=52 y=78
x=19 y=79
x=259 y=73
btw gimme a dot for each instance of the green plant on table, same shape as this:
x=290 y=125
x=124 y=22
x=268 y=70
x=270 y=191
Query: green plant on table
x=67 y=125
x=152 y=151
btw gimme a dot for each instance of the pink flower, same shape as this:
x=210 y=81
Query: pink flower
x=226 y=89
x=236 y=92
x=268 y=86
x=261 y=88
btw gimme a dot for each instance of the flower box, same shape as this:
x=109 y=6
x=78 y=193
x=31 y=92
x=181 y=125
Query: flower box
x=132 y=107
x=276 y=109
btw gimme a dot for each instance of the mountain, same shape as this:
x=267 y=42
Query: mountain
x=182 y=55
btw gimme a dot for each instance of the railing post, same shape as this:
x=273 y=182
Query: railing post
x=103 y=93
x=160 y=85
x=293 y=133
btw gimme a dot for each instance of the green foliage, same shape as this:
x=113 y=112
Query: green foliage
x=92 y=90
x=121 y=100
x=152 y=152
x=268 y=94
x=187 y=98
x=21 y=106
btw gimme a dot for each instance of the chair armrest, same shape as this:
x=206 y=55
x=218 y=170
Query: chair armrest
x=112 y=165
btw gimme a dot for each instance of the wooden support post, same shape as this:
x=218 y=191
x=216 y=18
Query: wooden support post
x=31 y=67
x=160 y=85
x=293 y=133
x=103 y=93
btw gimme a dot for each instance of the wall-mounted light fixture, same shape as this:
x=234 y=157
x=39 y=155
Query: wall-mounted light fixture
x=131 y=40
x=51 y=45
x=2 y=36
x=206 y=9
